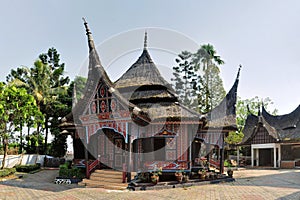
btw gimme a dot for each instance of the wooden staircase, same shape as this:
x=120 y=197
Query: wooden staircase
x=105 y=178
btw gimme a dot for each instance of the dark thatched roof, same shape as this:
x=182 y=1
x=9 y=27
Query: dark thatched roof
x=142 y=73
x=283 y=122
x=283 y=128
x=144 y=86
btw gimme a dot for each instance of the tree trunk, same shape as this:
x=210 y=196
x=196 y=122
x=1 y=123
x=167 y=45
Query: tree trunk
x=207 y=89
x=38 y=136
x=21 y=139
x=46 y=137
x=5 y=153
x=4 y=142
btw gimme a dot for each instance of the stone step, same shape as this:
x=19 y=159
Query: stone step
x=104 y=175
x=116 y=187
x=90 y=183
x=100 y=182
x=106 y=185
x=105 y=171
x=106 y=180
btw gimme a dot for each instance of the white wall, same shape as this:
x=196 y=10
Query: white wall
x=12 y=160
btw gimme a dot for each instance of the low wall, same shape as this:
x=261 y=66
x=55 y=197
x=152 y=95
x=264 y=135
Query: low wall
x=13 y=160
x=287 y=164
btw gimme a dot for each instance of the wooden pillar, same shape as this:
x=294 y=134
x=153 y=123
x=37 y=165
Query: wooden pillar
x=222 y=160
x=190 y=141
x=222 y=155
x=86 y=153
x=238 y=156
x=257 y=157
x=129 y=164
x=252 y=156
x=275 y=159
x=279 y=155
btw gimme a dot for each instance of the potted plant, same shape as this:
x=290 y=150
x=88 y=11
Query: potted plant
x=203 y=174
x=229 y=172
x=179 y=175
x=229 y=169
x=155 y=175
x=185 y=178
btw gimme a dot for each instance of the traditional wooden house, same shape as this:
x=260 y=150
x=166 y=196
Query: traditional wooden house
x=137 y=122
x=274 y=140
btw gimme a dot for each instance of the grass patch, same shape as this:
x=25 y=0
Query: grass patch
x=7 y=172
x=28 y=168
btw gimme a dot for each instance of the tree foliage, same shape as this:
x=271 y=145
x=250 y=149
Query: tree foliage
x=47 y=83
x=58 y=146
x=246 y=106
x=184 y=78
x=197 y=78
x=17 y=108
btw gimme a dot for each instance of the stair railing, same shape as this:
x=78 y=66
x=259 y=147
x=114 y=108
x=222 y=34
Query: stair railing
x=92 y=166
x=124 y=173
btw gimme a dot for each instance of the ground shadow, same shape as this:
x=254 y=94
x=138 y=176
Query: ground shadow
x=42 y=180
x=295 y=195
x=285 y=178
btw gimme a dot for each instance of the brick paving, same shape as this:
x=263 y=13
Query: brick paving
x=254 y=184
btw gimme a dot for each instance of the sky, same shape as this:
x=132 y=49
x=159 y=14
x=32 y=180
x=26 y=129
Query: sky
x=261 y=35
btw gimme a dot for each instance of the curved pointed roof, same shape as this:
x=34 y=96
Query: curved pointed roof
x=224 y=115
x=281 y=127
x=282 y=121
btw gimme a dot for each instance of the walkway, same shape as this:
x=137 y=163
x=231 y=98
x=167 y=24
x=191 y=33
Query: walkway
x=250 y=184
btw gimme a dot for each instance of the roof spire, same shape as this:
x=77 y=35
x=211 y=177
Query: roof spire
x=89 y=35
x=259 y=108
x=145 y=40
x=238 y=74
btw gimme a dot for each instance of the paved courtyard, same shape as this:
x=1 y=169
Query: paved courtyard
x=249 y=184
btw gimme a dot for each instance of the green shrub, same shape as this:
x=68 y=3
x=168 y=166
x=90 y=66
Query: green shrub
x=66 y=171
x=7 y=172
x=227 y=163
x=27 y=168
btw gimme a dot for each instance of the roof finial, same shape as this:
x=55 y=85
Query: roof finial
x=238 y=74
x=259 y=108
x=145 y=40
x=89 y=35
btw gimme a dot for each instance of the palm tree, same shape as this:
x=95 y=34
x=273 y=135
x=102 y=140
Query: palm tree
x=45 y=82
x=207 y=55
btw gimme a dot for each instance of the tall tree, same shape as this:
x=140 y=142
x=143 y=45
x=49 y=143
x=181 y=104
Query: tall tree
x=46 y=82
x=57 y=87
x=16 y=109
x=197 y=78
x=184 y=78
x=212 y=86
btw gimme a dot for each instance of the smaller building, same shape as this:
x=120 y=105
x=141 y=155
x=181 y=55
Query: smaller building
x=274 y=140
